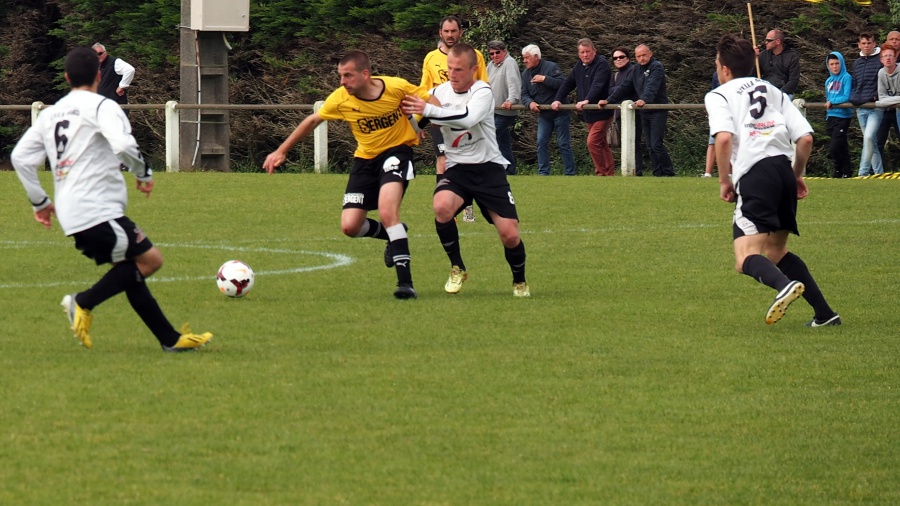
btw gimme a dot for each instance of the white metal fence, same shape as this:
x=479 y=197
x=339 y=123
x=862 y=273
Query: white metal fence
x=320 y=135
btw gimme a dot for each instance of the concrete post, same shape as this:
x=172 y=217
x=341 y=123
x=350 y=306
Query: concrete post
x=173 y=140
x=320 y=137
x=626 y=138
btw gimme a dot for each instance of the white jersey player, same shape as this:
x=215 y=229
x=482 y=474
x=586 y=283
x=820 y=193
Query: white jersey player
x=87 y=138
x=476 y=171
x=753 y=124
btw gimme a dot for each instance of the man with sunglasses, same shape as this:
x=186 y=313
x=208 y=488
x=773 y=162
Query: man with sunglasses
x=505 y=81
x=780 y=64
x=115 y=76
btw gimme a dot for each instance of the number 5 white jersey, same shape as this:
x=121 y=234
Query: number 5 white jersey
x=762 y=118
x=86 y=137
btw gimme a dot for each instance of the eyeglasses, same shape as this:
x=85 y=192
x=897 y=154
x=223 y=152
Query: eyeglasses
x=493 y=53
x=770 y=40
x=101 y=53
x=619 y=57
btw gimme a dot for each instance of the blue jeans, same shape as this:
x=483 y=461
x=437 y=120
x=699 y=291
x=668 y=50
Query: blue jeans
x=544 y=128
x=503 y=125
x=869 y=123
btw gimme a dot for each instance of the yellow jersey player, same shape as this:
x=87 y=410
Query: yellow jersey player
x=382 y=162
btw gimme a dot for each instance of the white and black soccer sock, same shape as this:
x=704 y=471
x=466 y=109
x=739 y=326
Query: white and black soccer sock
x=373 y=228
x=515 y=257
x=449 y=236
x=795 y=268
x=400 y=251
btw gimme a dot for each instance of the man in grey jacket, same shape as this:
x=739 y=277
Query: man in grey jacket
x=506 y=83
x=540 y=81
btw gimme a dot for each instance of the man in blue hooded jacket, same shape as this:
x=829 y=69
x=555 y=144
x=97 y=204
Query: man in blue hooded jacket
x=837 y=121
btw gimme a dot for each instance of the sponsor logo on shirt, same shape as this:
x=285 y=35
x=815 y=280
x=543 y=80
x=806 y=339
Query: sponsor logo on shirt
x=372 y=124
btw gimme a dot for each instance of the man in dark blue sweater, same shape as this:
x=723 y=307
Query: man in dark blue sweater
x=865 y=89
x=590 y=80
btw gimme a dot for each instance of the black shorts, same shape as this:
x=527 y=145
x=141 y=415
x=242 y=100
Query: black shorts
x=766 y=198
x=367 y=176
x=112 y=242
x=485 y=183
x=437 y=140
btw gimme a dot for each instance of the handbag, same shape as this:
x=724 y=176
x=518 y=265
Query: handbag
x=612 y=134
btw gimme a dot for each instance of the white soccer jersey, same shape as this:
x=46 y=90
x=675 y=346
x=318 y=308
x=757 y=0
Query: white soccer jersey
x=86 y=137
x=762 y=118
x=467 y=124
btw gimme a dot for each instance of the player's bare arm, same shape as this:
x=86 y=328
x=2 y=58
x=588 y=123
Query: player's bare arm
x=277 y=157
x=45 y=216
x=145 y=187
x=801 y=157
x=723 y=161
x=412 y=104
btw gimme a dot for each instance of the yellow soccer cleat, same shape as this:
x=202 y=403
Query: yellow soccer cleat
x=79 y=319
x=456 y=280
x=784 y=298
x=189 y=341
x=521 y=290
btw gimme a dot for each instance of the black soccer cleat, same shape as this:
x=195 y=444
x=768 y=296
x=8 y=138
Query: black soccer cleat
x=405 y=291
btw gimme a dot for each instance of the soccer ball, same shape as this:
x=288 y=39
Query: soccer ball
x=235 y=278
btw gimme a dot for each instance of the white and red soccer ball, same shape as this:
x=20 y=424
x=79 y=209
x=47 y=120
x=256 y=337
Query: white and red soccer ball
x=235 y=278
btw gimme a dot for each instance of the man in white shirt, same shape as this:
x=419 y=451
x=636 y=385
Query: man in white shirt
x=463 y=108
x=86 y=138
x=754 y=124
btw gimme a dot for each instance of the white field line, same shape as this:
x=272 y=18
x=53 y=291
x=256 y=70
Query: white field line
x=340 y=260
x=336 y=260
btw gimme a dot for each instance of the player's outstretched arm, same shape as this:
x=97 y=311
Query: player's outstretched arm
x=277 y=157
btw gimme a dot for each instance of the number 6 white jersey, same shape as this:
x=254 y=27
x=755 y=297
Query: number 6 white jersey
x=86 y=137
x=762 y=118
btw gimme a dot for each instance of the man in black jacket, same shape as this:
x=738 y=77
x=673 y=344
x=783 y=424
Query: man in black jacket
x=540 y=81
x=780 y=64
x=590 y=80
x=649 y=81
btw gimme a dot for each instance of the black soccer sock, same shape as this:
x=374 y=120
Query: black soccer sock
x=400 y=252
x=121 y=277
x=374 y=228
x=515 y=257
x=145 y=305
x=449 y=236
x=763 y=270
x=795 y=268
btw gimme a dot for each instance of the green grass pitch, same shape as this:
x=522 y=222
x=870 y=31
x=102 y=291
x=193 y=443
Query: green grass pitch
x=639 y=372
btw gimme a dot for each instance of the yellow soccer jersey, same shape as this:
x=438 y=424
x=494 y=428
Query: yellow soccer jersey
x=377 y=124
x=434 y=69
